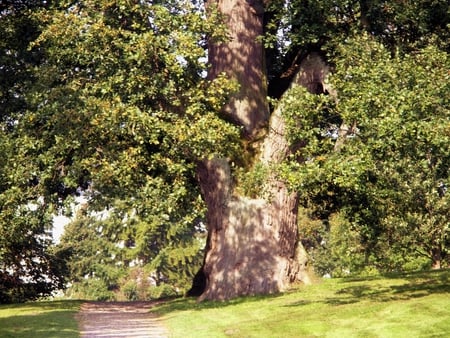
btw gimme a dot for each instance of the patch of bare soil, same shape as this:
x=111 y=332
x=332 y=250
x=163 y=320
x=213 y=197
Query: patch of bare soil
x=119 y=319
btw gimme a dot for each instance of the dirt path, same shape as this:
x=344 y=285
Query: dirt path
x=118 y=320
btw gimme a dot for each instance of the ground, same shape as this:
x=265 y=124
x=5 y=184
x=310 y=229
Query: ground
x=119 y=319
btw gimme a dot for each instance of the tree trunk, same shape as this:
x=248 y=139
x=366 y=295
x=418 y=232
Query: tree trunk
x=242 y=59
x=253 y=245
x=436 y=257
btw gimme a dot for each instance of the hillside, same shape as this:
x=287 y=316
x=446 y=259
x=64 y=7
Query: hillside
x=411 y=305
x=408 y=305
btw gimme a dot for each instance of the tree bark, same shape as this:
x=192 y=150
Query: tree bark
x=436 y=257
x=242 y=59
x=253 y=244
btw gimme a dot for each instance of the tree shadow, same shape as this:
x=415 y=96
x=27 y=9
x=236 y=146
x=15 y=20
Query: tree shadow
x=192 y=303
x=352 y=290
x=415 y=285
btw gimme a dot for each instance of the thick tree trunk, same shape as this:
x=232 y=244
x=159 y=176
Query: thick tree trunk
x=242 y=59
x=253 y=244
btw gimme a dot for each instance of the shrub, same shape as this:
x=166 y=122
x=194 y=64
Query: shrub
x=91 y=289
x=130 y=290
x=161 y=291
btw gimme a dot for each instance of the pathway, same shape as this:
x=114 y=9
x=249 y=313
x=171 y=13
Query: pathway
x=119 y=320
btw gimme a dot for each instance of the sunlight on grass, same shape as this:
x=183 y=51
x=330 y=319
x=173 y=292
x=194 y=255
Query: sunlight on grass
x=39 y=320
x=412 y=305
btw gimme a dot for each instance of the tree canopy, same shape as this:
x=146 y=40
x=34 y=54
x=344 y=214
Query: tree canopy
x=119 y=111
x=110 y=100
x=378 y=153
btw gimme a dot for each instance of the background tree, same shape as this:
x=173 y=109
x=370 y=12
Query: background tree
x=93 y=259
x=121 y=112
x=390 y=172
x=28 y=268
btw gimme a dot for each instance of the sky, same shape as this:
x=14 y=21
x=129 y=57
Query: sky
x=58 y=226
x=60 y=221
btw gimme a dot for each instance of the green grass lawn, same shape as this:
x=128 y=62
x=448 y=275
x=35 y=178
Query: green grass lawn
x=49 y=319
x=412 y=305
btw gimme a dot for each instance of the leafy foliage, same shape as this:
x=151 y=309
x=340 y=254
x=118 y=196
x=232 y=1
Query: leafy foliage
x=109 y=100
x=116 y=108
x=28 y=267
x=297 y=27
x=129 y=77
x=390 y=174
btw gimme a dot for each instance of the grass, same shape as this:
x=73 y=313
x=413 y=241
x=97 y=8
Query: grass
x=39 y=320
x=408 y=305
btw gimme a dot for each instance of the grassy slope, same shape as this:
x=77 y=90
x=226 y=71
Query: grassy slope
x=413 y=305
x=53 y=319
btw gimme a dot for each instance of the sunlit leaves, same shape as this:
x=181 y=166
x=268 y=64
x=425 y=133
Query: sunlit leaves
x=392 y=116
x=28 y=268
x=133 y=75
x=122 y=111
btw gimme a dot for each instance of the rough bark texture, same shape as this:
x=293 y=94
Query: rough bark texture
x=242 y=59
x=253 y=245
x=312 y=73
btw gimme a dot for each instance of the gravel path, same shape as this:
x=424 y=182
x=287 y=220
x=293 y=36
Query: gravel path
x=119 y=319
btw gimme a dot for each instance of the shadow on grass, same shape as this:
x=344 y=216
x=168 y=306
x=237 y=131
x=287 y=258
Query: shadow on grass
x=191 y=303
x=350 y=290
x=415 y=285
x=385 y=288
x=41 y=319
